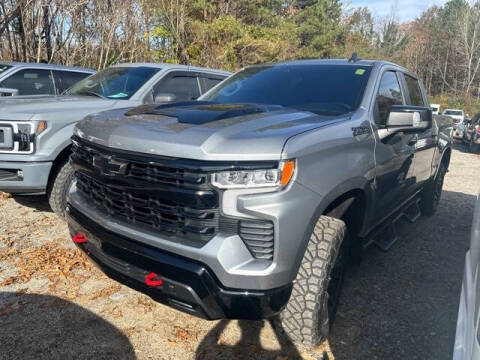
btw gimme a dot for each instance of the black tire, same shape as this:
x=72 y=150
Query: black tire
x=57 y=191
x=316 y=291
x=432 y=193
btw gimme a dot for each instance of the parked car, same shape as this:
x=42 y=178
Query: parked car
x=33 y=79
x=35 y=133
x=467 y=340
x=455 y=114
x=249 y=202
x=459 y=132
x=472 y=134
x=435 y=109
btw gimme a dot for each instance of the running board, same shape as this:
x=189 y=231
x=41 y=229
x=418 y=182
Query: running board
x=386 y=236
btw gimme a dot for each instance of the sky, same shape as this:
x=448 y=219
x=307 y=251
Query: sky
x=405 y=9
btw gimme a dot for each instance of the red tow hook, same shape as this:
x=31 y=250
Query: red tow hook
x=79 y=238
x=149 y=280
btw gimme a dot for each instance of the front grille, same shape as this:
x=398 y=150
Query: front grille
x=161 y=214
x=258 y=236
x=158 y=194
x=144 y=170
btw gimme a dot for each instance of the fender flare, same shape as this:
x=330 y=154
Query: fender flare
x=356 y=183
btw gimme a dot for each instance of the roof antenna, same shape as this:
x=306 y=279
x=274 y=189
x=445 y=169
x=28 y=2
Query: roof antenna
x=354 y=58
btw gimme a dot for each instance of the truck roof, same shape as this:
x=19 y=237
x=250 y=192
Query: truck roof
x=46 y=66
x=334 y=62
x=172 y=66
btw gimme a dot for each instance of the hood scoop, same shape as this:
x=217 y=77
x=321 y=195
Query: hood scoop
x=202 y=112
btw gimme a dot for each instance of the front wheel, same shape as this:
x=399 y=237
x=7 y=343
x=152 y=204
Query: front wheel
x=316 y=291
x=432 y=193
x=58 y=188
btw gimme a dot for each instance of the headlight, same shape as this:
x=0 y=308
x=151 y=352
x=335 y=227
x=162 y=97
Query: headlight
x=248 y=179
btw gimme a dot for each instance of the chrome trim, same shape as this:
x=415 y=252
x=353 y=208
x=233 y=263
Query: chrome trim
x=16 y=145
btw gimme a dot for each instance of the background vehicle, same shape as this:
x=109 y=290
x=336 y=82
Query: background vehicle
x=35 y=133
x=235 y=206
x=455 y=114
x=33 y=79
x=467 y=341
x=472 y=134
x=459 y=132
x=435 y=109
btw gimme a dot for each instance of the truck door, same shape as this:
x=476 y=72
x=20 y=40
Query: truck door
x=394 y=153
x=426 y=139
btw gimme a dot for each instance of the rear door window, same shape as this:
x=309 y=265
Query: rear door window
x=66 y=79
x=209 y=81
x=183 y=85
x=416 y=98
x=31 y=82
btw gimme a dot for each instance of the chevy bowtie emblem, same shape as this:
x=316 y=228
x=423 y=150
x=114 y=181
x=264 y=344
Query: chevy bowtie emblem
x=109 y=166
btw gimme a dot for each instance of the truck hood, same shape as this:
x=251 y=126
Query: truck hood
x=41 y=108
x=201 y=131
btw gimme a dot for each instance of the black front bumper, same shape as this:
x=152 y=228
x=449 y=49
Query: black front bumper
x=188 y=285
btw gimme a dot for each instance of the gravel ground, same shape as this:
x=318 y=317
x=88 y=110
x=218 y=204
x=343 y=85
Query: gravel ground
x=396 y=305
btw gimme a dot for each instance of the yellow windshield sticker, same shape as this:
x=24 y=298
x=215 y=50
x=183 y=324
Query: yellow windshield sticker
x=360 y=72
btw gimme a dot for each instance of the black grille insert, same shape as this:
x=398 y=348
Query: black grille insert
x=162 y=195
x=166 y=173
x=163 y=215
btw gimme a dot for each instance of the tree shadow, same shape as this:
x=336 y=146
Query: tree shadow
x=403 y=304
x=249 y=345
x=47 y=327
x=36 y=202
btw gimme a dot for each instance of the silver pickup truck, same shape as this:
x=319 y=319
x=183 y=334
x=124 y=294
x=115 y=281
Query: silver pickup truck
x=250 y=202
x=35 y=133
x=34 y=80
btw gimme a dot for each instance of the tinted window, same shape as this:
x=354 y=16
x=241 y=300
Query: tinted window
x=184 y=87
x=414 y=90
x=30 y=82
x=323 y=89
x=66 y=79
x=114 y=83
x=389 y=94
x=209 y=82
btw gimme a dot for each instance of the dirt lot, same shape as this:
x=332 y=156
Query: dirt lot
x=396 y=305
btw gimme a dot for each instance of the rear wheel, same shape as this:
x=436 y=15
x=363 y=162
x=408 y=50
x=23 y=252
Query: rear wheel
x=316 y=292
x=432 y=193
x=58 y=188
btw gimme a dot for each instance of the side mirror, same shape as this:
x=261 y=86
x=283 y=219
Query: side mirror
x=161 y=98
x=409 y=117
x=8 y=92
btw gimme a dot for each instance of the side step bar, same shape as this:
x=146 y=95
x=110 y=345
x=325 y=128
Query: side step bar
x=386 y=236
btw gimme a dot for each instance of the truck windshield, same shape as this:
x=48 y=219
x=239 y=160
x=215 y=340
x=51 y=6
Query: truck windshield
x=4 y=68
x=322 y=89
x=114 y=83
